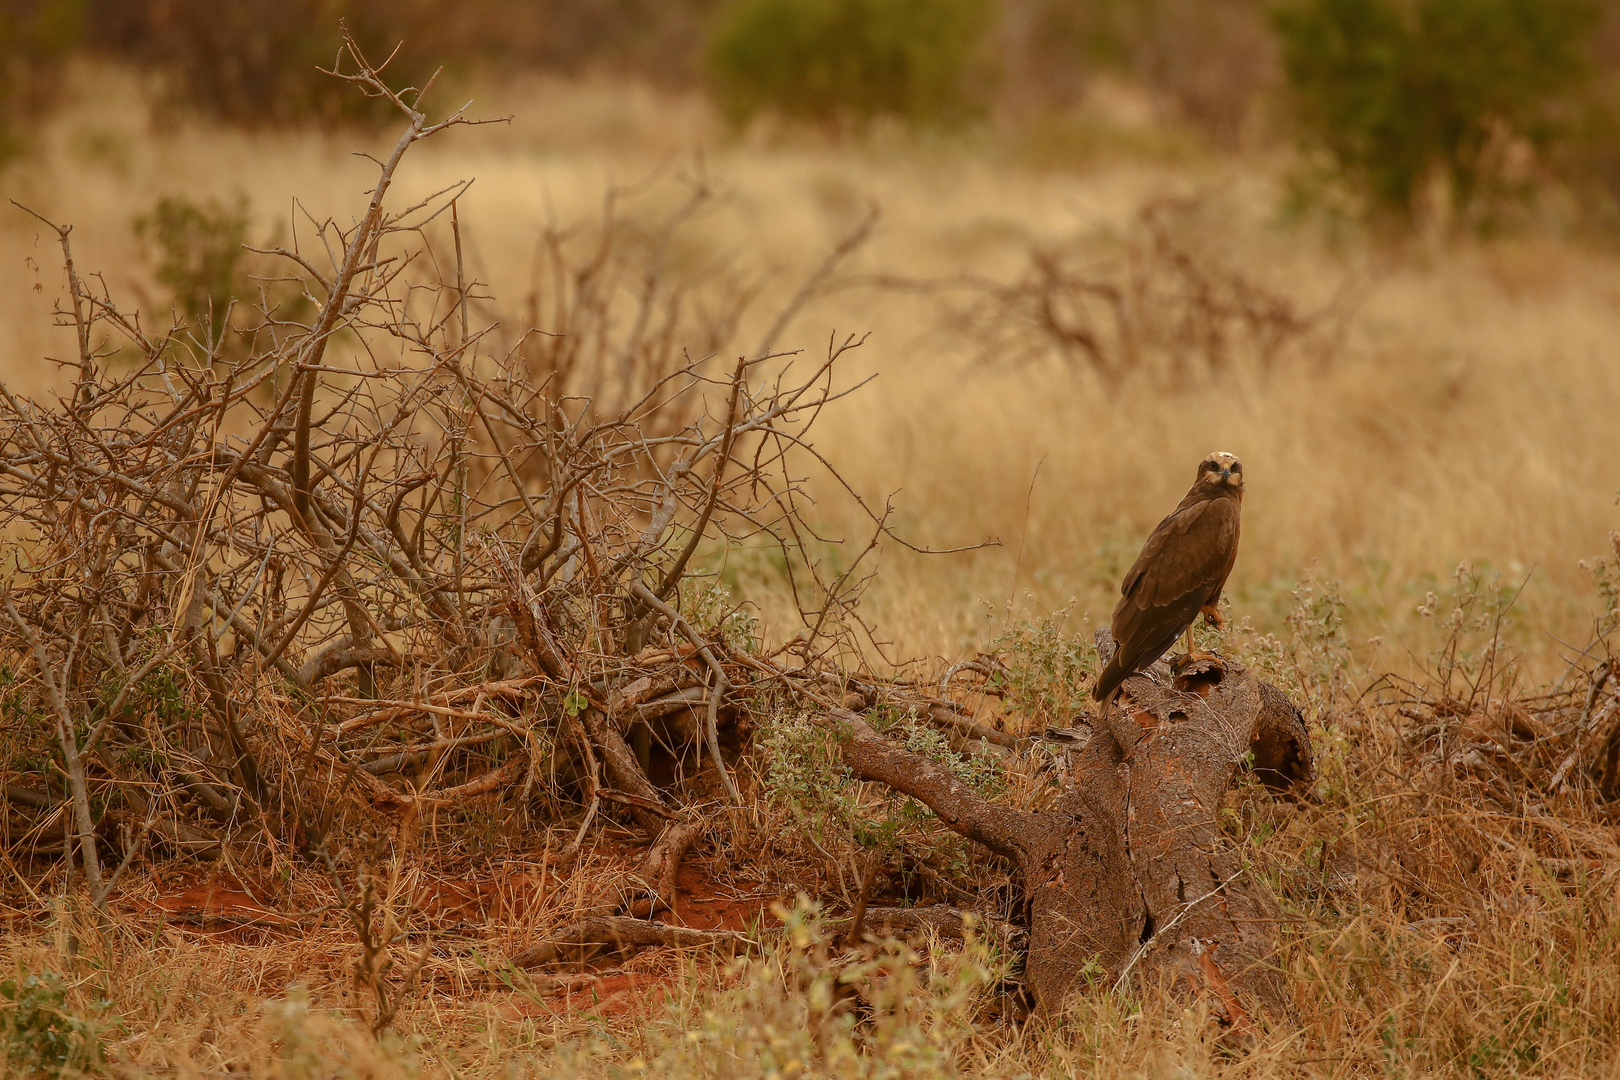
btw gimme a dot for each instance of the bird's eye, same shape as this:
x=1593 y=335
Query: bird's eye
x=1237 y=467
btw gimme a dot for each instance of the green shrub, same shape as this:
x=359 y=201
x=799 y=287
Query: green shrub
x=199 y=249
x=1397 y=93
x=1049 y=669
x=825 y=60
x=40 y=1034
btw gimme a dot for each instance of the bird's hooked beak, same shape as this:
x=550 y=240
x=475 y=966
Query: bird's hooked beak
x=1221 y=470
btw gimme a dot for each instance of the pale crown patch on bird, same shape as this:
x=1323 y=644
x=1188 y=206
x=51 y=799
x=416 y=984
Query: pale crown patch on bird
x=1221 y=467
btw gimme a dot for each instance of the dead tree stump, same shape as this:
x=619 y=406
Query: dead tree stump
x=1128 y=875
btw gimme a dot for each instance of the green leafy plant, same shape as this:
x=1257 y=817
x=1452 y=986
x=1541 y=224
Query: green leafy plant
x=712 y=610
x=822 y=806
x=40 y=1033
x=199 y=248
x=824 y=60
x=1396 y=94
x=1606 y=576
x=978 y=769
x=805 y=775
x=1048 y=668
x=161 y=691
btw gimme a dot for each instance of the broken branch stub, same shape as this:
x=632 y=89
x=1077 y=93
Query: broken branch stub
x=1128 y=875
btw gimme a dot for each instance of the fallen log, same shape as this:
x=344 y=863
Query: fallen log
x=1128 y=875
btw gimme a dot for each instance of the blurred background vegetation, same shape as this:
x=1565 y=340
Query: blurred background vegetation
x=1468 y=110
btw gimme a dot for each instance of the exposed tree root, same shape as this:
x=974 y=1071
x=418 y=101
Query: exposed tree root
x=1128 y=874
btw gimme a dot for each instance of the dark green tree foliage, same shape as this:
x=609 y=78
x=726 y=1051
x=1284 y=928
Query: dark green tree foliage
x=259 y=61
x=825 y=60
x=256 y=61
x=1396 y=92
x=35 y=36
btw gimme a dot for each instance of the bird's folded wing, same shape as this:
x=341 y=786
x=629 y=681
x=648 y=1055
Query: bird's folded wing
x=1188 y=554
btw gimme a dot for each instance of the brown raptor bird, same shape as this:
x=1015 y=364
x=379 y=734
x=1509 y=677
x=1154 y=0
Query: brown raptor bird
x=1181 y=571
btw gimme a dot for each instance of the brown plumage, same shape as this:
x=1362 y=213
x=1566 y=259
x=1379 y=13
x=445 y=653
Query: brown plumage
x=1181 y=571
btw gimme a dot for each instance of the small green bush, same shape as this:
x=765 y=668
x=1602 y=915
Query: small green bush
x=826 y=60
x=40 y=1034
x=199 y=247
x=1397 y=93
x=1050 y=667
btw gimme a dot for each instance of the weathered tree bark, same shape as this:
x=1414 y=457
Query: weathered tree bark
x=1128 y=875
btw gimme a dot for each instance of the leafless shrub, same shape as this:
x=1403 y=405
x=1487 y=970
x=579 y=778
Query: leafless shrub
x=1468 y=721
x=1208 y=62
x=253 y=61
x=608 y=314
x=381 y=929
x=241 y=593
x=1158 y=306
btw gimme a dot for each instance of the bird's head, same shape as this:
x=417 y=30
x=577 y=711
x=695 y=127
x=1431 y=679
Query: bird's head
x=1222 y=470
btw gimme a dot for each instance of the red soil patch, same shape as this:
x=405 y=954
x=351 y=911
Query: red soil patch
x=461 y=900
x=699 y=905
x=220 y=897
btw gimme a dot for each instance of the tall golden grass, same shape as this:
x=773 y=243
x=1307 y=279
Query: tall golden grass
x=1469 y=416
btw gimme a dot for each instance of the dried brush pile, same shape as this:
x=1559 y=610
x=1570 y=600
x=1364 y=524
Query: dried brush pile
x=257 y=605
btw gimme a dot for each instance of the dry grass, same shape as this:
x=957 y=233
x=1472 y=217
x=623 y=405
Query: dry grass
x=1468 y=417
x=1430 y=930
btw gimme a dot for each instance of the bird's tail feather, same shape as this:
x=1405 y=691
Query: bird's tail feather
x=1112 y=675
